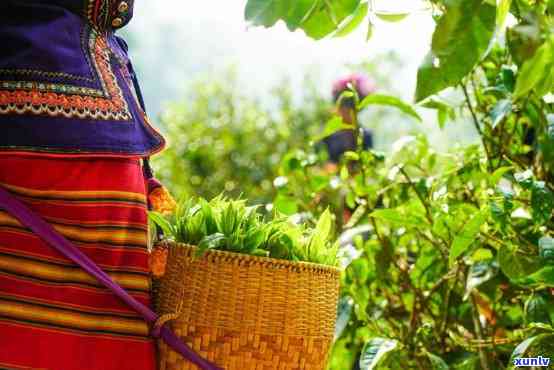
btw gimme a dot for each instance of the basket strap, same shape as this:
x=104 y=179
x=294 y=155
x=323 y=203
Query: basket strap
x=47 y=233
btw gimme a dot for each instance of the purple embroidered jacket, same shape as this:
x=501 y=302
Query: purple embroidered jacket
x=66 y=83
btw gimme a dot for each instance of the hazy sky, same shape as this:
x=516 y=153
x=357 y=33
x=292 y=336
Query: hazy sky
x=175 y=42
x=178 y=41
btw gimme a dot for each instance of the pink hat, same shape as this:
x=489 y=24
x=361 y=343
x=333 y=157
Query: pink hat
x=362 y=83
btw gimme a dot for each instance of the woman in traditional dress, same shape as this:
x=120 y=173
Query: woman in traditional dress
x=73 y=143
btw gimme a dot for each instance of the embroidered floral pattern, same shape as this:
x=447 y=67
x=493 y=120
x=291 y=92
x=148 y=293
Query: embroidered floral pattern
x=63 y=100
x=98 y=12
x=105 y=14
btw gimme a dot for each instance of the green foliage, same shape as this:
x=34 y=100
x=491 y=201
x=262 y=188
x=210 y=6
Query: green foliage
x=375 y=352
x=389 y=101
x=220 y=140
x=461 y=38
x=454 y=267
x=231 y=225
x=457 y=268
x=537 y=71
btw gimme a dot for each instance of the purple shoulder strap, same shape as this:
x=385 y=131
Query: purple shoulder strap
x=46 y=232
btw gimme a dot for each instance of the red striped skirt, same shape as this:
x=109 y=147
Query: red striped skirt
x=52 y=314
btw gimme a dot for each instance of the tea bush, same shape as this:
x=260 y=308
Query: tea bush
x=448 y=257
x=454 y=267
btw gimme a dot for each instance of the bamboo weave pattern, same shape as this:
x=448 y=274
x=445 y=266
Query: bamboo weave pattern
x=246 y=312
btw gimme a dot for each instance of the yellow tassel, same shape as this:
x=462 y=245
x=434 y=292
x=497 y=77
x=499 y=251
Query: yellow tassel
x=161 y=201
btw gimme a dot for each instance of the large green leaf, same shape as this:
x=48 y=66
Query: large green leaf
x=265 y=12
x=466 y=236
x=516 y=264
x=535 y=69
x=318 y=18
x=391 y=101
x=328 y=17
x=375 y=352
x=298 y=12
x=536 y=310
x=352 y=22
x=544 y=276
x=460 y=40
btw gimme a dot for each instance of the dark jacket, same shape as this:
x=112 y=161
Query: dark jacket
x=66 y=83
x=343 y=141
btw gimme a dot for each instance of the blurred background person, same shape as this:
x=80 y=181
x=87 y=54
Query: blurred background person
x=346 y=140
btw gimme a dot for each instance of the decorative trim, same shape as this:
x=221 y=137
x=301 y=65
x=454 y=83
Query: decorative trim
x=97 y=12
x=52 y=75
x=70 y=101
x=108 y=14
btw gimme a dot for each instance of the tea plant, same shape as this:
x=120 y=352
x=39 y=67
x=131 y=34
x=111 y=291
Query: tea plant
x=231 y=225
x=456 y=270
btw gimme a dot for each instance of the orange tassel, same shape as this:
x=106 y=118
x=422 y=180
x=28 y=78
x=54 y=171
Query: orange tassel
x=158 y=261
x=161 y=200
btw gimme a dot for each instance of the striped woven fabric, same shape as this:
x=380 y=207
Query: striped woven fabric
x=53 y=315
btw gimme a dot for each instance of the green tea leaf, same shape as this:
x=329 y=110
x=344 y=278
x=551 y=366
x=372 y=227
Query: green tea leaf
x=213 y=241
x=327 y=17
x=264 y=12
x=468 y=363
x=391 y=17
x=353 y=21
x=285 y=204
x=398 y=217
x=437 y=363
x=498 y=173
x=376 y=99
x=544 y=276
x=375 y=352
x=324 y=225
x=515 y=264
x=444 y=111
x=500 y=111
x=298 y=12
x=162 y=223
x=534 y=69
x=334 y=125
x=467 y=235
x=536 y=310
x=460 y=40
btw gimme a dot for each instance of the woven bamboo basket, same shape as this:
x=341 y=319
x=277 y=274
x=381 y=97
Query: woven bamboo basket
x=245 y=312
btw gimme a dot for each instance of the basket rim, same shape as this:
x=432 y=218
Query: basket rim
x=213 y=254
